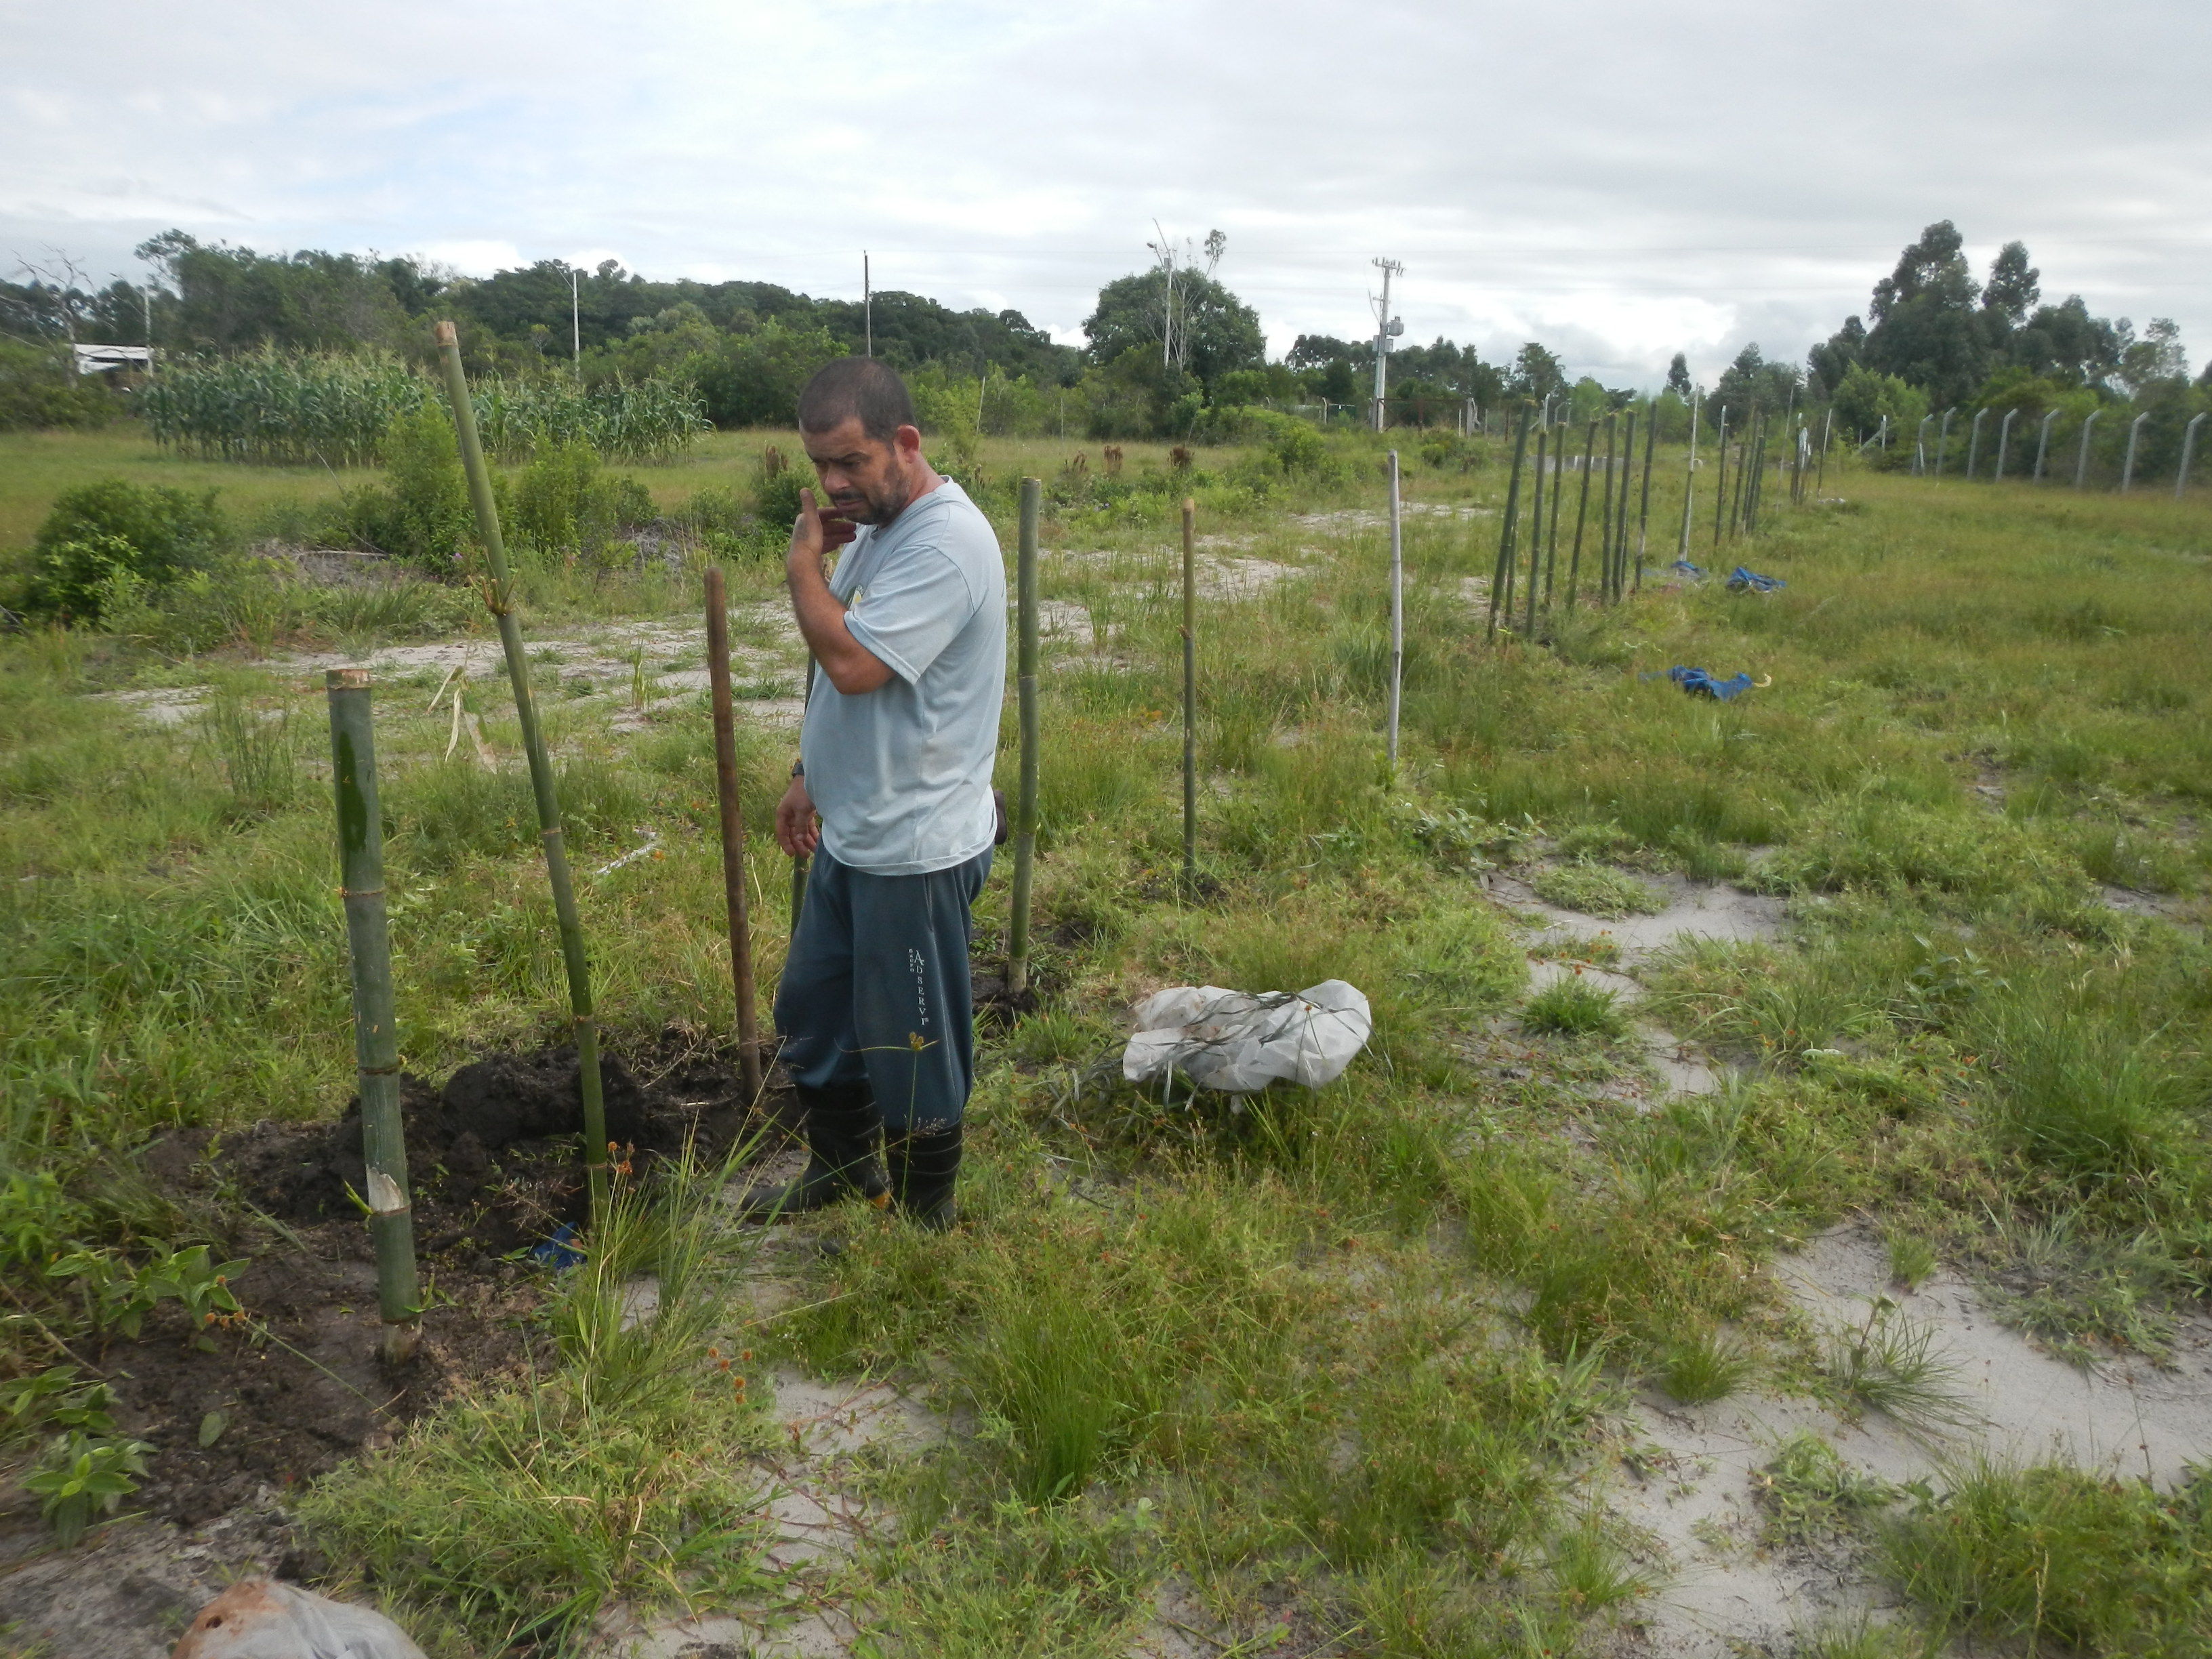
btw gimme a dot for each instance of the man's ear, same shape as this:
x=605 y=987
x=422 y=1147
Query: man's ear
x=909 y=441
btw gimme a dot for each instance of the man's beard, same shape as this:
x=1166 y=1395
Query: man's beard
x=879 y=506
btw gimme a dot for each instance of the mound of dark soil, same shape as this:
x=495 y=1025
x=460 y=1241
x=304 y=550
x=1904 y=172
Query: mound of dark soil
x=494 y=1162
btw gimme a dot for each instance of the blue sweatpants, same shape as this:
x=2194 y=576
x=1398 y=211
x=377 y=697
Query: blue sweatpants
x=876 y=989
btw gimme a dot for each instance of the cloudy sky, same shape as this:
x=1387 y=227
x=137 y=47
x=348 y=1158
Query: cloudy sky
x=1619 y=180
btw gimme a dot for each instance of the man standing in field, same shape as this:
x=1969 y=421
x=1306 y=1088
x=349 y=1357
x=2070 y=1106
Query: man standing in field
x=891 y=795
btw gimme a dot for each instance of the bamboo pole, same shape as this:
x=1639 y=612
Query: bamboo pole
x=735 y=904
x=1025 y=699
x=800 y=864
x=1605 y=549
x=1398 y=609
x=1720 y=480
x=1582 y=511
x=1689 y=484
x=1644 y=510
x=499 y=596
x=1535 y=524
x=1559 y=488
x=1190 y=691
x=1506 y=532
x=375 y=1038
x=1827 y=425
x=1536 y=548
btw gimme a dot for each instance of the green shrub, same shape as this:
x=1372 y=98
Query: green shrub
x=105 y=544
x=422 y=514
x=775 y=498
x=37 y=390
x=561 y=503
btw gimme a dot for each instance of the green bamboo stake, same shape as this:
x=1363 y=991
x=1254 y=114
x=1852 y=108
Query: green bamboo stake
x=1720 y=481
x=1025 y=692
x=1643 y=507
x=800 y=864
x=736 y=910
x=1506 y=532
x=375 y=1040
x=1582 y=512
x=1606 y=551
x=1620 y=510
x=499 y=596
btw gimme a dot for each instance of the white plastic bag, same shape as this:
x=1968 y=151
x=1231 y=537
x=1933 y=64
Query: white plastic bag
x=1238 y=1042
x=261 y=1618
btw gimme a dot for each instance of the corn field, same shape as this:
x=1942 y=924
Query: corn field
x=278 y=408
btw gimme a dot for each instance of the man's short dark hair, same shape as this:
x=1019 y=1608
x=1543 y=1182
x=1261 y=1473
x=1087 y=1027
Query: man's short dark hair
x=856 y=388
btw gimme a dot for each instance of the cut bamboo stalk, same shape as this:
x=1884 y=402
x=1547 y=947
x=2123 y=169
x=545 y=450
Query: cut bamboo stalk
x=1559 y=488
x=1536 y=547
x=1506 y=532
x=1398 y=609
x=1720 y=480
x=1689 y=486
x=736 y=902
x=800 y=864
x=1535 y=526
x=1606 y=551
x=1026 y=696
x=499 y=597
x=1582 y=511
x=1644 y=508
x=375 y=1039
x=1190 y=691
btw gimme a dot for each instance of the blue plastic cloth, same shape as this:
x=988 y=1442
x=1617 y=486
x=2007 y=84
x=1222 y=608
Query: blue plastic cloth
x=1684 y=567
x=1699 y=683
x=1742 y=580
x=558 y=1252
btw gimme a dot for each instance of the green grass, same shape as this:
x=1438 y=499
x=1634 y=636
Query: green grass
x=2057 y=1556
x=1597 y=891
x=1332 y=1361
x=1575 y=1007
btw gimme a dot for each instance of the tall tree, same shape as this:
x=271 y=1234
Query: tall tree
x=1220 y=330
x=1927 y=329
x=1832 y=360
x=2014 y=287
x=1678 y=376
x=1537 y=373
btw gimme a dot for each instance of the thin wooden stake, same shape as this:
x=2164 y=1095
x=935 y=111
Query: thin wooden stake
x=736 y=898
x=375 y=1036
x=1720 y=482
x=499 y=597
x=1582 y=511
x=1398 y=609
x=1025 y=698
x=800 y=864
x=1608 y=552
x=1644 y=510
x=1499 y=578
x=1189 y=694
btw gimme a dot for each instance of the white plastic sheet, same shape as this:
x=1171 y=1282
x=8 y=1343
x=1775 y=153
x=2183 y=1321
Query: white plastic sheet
x=1238 y=1042
x=262 y=1619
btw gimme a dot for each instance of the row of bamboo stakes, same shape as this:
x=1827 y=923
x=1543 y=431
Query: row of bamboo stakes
x=361 y=841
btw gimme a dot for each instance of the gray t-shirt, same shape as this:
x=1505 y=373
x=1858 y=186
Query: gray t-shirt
x=902 y=775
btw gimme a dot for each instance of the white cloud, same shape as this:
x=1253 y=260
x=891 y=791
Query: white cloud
x=1620 y=179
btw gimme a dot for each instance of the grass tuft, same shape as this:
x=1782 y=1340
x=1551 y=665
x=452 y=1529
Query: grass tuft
x=1593 y=890
x=1575 y=1007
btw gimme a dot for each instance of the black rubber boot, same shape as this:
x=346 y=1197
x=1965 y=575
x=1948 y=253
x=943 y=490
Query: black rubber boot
x=843 y=1129
x=924 y=1166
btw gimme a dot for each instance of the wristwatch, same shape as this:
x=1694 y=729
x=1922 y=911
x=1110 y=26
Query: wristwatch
x=799 y=769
